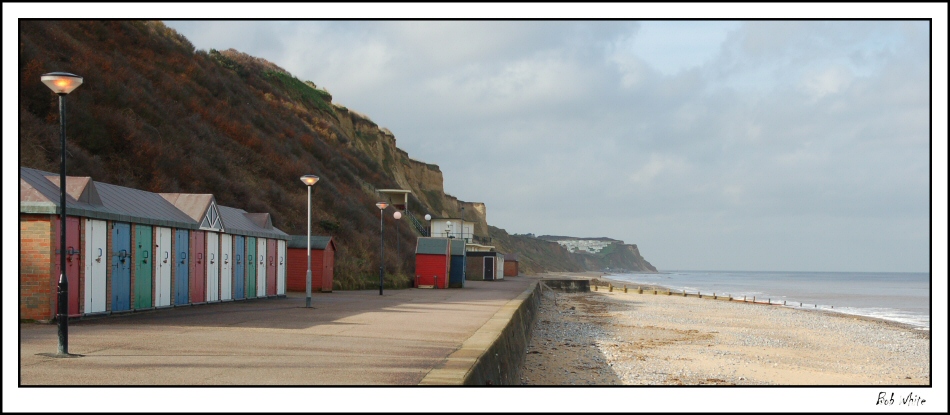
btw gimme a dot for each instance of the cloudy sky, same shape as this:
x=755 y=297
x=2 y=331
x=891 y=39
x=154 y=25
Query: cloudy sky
x=726 y=145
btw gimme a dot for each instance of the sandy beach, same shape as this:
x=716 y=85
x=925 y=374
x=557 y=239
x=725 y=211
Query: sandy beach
x=617 y=338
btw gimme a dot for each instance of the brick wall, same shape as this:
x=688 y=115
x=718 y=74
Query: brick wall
x=36 y=264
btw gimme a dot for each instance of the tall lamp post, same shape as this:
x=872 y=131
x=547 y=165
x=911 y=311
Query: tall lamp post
x=381 y=206
x=397 y=215
x=429 y=223
x=308 y=180
x=62 y=83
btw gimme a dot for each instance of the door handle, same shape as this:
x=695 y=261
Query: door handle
x=281 y=260
x=225 y=258
x=145 y=260
x=183 y=256
x=99 y=259
x=200 y=257
x=212 y=259
x=166 y=257
x=270 y=261
x=262 y=259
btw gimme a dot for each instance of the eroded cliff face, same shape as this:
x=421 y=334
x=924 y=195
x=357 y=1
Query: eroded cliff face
x=423 y=179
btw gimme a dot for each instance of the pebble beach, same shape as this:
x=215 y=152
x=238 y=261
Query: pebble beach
x=616 y=338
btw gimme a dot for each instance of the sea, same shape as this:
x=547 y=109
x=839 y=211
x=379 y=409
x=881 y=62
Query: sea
x=903 y=297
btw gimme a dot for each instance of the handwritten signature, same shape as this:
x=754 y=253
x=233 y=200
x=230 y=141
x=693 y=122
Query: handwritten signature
x=911 y=399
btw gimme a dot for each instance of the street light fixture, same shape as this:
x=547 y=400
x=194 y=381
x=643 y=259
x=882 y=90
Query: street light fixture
x=429 y=222
x=381 y=206
x=308 y=180
x=62 y=83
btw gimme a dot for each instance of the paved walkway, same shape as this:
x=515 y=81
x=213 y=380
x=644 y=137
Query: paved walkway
x=347 y=338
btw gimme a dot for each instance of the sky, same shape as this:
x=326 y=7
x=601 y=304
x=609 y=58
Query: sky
x=788 y=145
x=795 y=145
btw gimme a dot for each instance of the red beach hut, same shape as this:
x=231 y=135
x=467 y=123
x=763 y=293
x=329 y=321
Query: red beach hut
x=433 y=262
x=322 y=255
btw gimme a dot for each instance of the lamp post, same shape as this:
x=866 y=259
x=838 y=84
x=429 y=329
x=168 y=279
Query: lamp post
x=381 y=206
x=62 y=83
x=429 y=223
x=308 y=180
x=397 y=215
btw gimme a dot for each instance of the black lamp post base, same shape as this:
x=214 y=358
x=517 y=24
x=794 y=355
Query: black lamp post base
x=60 y=355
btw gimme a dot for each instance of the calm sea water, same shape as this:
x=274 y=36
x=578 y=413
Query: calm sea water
x=900 y=297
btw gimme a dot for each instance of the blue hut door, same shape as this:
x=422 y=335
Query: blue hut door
x=163 y=266
x=181 y=266
x=121 y=266
x=239 y=258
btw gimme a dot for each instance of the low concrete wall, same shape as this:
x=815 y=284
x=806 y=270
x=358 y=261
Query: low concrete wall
x=495 y=354
x=568 y=285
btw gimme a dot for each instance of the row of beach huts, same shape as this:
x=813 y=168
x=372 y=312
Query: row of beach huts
x=130 y=250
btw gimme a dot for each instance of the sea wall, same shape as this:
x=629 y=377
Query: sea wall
x=502 y=362
x=495 y=354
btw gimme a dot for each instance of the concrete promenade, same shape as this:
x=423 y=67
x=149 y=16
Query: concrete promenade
x=355 y=338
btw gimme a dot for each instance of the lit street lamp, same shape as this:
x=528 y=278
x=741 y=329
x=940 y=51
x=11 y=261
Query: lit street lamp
x=381 y=206
x=62 y=83
x=308 y=180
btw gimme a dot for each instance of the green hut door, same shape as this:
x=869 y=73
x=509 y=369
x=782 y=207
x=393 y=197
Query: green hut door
x=144 y=264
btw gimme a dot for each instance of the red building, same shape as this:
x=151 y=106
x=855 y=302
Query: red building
x=433 y=261
x=322 y=254
x=511 y=265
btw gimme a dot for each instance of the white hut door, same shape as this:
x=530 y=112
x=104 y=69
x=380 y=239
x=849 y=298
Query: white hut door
x=214 y=263
x=163 y=266
x=261 y=267
x=282 y=267
x=227 y=261
x=97 y=262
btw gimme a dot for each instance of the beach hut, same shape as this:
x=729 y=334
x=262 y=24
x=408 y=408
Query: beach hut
x=110 y=244
x=181 y=266
x=482 y=265
x=255 y=239
x=282 y=267
x=499 y=266
x=261 y=267
x=457 y=267
x=164 y=261
x=226 y=290
x=240 y=257
x=322 y=258
x=432 y=262
x=203 y=254
x=144 y=267
x=121 y=267
x=127 y=249
x=511 y=265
